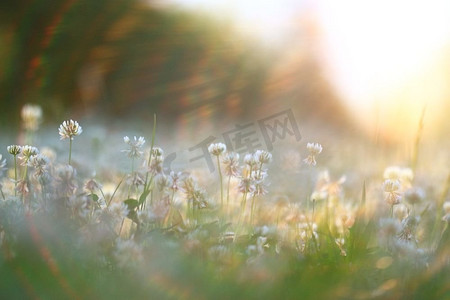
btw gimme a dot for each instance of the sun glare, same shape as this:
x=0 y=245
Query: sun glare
x=386 y=59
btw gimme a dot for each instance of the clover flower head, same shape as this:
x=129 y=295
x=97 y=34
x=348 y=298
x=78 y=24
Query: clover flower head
x=65 y=180
x=27 y=153
x=135 y=179
x=177 y=179
x=157 y=152
x=446 y=207
x=401 y=211
x=231 y=162
x=391 y=188
x=22 y=187
x=217 y=149
x=390 y=185
x=156 y=165
x=249 y=160
x=92 y=185
x=263 y=156
x=40 y=163
x=259 y=188
x=69 y=129
x=246 y=185
x=135 y=146
x=31 y=116
x=314 y=149
x=14 y=149
x=414 y=195
x=392 y=172
x=163 y=182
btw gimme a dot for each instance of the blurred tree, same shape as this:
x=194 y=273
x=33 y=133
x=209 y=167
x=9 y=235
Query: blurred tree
x=122 y=57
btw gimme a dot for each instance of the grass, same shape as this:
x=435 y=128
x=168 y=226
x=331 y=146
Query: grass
x=160 y=235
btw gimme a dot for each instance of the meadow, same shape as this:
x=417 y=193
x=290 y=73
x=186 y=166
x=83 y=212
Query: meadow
x=292 y=223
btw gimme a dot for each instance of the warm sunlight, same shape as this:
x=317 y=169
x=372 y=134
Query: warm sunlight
x=385 y=57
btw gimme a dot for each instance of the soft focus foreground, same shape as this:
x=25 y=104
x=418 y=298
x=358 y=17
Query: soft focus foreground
x=170 y=155
x=288 y=224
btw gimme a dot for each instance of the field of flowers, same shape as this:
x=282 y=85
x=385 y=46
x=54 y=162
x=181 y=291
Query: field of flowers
x=262 y=226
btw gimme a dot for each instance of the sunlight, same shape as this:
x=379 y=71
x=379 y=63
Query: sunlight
x=387 y=56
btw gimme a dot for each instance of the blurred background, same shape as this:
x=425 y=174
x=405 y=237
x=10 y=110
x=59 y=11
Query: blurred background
x=362 y=67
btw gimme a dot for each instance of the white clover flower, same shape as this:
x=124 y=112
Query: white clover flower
x=414 y=195
x=401 y=211
x=31 y=116
x=135 y=146
x=177 y=179
x=157 y=152
x=314 y=149
x=135 y=179
x=163 y=182
x=391 y=188
x=92 y=185
x=49 y=153
x=249 y=160
x=409 y=227
x=339 y=241
x=231 y=162
x=446 y=207
x=246 y=185
x=392 y=173
x=69 y=129
x=404 y=175
x=217 y=149
x=22 y=187
x=14 y=149
x=27 y=153
x=40 y=163
x=308 y=231
x=259 y=189
x=156 y=165
x=65 y=180
x=263 y=156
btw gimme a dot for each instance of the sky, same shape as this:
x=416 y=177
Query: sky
x=383 y=56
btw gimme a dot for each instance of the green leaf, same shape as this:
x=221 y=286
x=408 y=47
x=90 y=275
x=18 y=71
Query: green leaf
x=94 y=197
x=143 y=196
x=131 y=203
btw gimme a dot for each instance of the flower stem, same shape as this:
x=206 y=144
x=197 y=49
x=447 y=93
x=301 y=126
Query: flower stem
x=70 y=150
x=221 y=182
x=252 y=210
x=228 y=195
x=15 y=175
